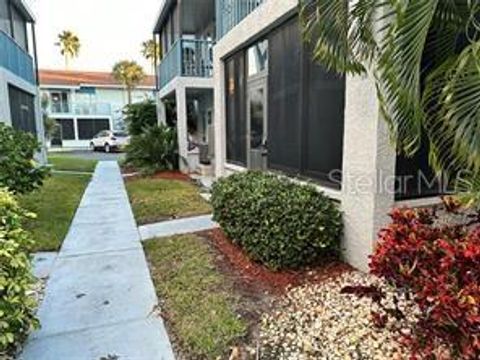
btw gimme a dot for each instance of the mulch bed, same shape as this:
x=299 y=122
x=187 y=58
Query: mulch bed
x=172 y=175
x=256 y=277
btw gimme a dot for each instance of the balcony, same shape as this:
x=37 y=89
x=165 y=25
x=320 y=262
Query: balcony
x=190 y=58
x=231 y=12
x=15 y=59
x=81 y=109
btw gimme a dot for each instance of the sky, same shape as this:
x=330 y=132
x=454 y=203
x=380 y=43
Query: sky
x=109 y=31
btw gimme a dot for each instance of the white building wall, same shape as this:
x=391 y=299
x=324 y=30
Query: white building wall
x=116 y=97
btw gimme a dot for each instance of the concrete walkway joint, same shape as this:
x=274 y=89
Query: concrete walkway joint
x=177 y=227
x=100 y=301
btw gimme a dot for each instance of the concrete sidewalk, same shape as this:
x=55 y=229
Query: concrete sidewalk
x=100 y=301
x=177 y=227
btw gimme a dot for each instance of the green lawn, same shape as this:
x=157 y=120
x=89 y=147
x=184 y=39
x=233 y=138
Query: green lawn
x=155 y=200
x=196 y=296
x=67 y=162
x=55 y=204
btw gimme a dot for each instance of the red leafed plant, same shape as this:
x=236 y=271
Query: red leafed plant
x=438 y=267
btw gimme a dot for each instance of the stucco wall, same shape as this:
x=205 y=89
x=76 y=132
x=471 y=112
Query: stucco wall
x=368 y=156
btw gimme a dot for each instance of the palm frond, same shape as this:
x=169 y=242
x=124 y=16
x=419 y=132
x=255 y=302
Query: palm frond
x=326 y=25
x=399 y=68
x=452 y=97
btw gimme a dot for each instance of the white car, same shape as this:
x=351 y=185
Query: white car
x=109 y=141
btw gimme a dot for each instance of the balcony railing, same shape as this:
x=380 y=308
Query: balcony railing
x=187 y=58
x=231 y=12
x=81 y=108
x=15 y=59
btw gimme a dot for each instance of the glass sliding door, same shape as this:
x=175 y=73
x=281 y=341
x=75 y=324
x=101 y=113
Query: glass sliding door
x=257 y=125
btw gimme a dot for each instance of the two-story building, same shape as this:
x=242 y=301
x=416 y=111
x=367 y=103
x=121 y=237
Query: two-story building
x=185 y=33
x=19 y=105
x=277 y=110
x=85 y=103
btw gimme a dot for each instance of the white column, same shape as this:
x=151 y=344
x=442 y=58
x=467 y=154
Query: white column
x=42 y=156
x=75 y=127
x=181 y=102
x=5 y=115
x=161 y=111
x=368 y=171
x=219 y=114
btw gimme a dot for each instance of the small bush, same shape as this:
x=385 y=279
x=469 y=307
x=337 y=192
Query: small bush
x=18 y=170
x=16 y=305
x=437 y=266
x=153 y=150
x=139 y=116
x=277 y=222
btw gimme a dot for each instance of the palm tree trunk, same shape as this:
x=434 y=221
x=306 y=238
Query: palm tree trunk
x=129 y=95
x=67 y=62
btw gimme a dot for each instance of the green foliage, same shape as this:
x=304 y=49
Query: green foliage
x=278 y=222
x=153 y=150
x=128 y=73
x=17 y=307
x=423 y=56
x=55 y=204
x=50 y=126
x=198 y=298
x=18 y=170
x=69 y=44
x=66 y=162
x=155 y=200
x=140 y=115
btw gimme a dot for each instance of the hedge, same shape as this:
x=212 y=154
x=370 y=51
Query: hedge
x=278 y=222
x=17 y=304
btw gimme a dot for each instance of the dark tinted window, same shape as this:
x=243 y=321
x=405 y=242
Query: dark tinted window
x=120 y=134
x=88 y=128
x=22 y=110
x=305 y=109
x=19 y=28
x=284 y=98
x=323 y=120
x=236 y=109
x=67 y=131
x=4 y=17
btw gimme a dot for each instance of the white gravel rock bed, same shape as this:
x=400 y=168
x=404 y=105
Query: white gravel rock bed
x=317 y=322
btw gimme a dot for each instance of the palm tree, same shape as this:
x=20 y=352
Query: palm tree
x=69 y=44
x=151 y=51
x=130 y=74
x=425 y=58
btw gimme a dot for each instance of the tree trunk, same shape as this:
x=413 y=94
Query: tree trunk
x=129 y=95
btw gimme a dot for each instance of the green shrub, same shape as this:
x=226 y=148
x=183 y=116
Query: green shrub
x=17 y=307
x=139 y=116
x=278 y=222
x=18 y=170
x=153 y=150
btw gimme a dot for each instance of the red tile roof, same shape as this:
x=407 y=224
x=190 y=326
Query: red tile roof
x=77 y=78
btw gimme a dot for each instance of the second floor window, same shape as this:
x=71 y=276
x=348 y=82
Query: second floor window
x=59 y=102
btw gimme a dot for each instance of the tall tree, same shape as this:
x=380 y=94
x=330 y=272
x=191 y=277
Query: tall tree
x=149 y=49
x=425 y=58
x=69 y=44
x=130 y=74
